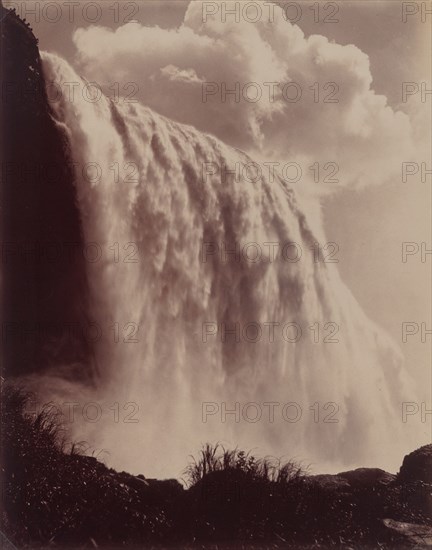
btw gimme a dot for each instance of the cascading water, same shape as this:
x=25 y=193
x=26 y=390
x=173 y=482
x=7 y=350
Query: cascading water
x=161 y=297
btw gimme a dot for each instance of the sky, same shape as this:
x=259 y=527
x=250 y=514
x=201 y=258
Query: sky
x=369 y=48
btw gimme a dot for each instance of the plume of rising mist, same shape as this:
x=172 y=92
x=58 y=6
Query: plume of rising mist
x=331 y=112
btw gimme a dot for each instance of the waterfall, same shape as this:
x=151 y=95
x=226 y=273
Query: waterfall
x=160 y=220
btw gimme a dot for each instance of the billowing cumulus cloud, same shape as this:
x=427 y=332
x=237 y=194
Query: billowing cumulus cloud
x=263 y=87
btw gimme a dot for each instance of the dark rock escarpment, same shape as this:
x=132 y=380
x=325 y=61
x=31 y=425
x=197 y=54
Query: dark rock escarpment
x=417 y=466
x=44 y=279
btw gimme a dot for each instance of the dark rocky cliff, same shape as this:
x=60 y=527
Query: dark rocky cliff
x=43 y=270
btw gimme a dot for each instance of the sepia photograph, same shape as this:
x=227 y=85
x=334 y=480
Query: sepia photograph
x=216 y=266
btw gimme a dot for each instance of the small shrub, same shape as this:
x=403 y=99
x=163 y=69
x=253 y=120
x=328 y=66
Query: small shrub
x=214 y=458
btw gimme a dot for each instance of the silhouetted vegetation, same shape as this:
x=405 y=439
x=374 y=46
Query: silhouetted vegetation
x=215 y=458
x=54 y=494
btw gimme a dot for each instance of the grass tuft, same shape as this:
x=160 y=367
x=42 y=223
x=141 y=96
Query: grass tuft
x=215 y=458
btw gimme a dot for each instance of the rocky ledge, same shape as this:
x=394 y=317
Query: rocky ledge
x=55 y=495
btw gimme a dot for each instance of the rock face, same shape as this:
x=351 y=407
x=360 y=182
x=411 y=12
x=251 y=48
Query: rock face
x=329 y=482
x=43 y=267
x=367 y=477
x=417 y=466
x=416 y=535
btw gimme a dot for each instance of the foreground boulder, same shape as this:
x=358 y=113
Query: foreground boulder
x=417 y=466
x=366 y=477
x=414 y=534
